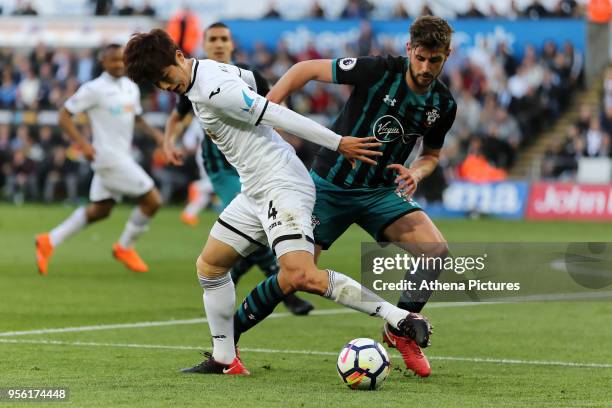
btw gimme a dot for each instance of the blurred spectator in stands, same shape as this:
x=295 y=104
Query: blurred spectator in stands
x=471 y=12
x=40 y=55
x=126 y=9
x=513 y=11
x=20 y=180
x=284 y=61
x=24 y=8
x=426 y=10
x=505 y=56
x=574 y=60
x=366 y=40
x=60 y=170
x=147 y=9
x=8 y=90
x=357 y=9
x=310 y=52
x=62 y=62
x=561 y=157
x=492 y=13
x=184 y=28
x=607 y=88
x=316 y=11
x=606 y=120
x=537 y=11
x=550 y=95
x=476 y=168
x=27 y=90
x=320 y=99
x=597 y=141
x=272 y=11
x=549 y=52
x=103 y=7
x=566 y=9
x=262 y=57
x=584 y=118
x=85 y=66
x=400 y=12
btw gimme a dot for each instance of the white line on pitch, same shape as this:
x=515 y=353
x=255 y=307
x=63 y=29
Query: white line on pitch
x=174 y=322
x=307 y=352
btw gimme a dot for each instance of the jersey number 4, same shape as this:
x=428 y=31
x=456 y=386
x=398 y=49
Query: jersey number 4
x=272 y=211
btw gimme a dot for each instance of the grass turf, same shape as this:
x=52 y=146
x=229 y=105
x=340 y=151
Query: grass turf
x=117 y=367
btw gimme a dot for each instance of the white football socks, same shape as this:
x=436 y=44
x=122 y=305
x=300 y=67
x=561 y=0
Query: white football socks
x=204 y=191
x=71 y=225
x=219 y=304
x=136 y=225
x=350 y=293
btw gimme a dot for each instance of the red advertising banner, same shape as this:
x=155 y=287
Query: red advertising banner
x=567 y=201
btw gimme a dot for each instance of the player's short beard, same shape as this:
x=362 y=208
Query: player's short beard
x=415 y=79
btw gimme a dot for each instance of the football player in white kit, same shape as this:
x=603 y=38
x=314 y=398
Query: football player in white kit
x=276 y=202
x=112 y=103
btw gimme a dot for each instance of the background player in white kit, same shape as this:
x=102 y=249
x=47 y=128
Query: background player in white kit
x=276 y=202
x=112 y=103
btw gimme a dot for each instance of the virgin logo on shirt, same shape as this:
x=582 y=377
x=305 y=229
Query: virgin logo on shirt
x=387 y=128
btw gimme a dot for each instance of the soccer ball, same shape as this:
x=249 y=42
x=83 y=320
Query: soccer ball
x=363 y=364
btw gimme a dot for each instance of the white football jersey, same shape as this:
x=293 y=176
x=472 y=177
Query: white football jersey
x=230 y=111
x=111 y=105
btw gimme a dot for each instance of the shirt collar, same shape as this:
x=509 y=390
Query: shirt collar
x=194 y=73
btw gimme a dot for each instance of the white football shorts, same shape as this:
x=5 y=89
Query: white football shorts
x=281 y=219
x=124 y=178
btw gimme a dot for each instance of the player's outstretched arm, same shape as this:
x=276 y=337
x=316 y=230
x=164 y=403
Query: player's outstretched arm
x=67 y=125
x=298 y=76
x=353 y=148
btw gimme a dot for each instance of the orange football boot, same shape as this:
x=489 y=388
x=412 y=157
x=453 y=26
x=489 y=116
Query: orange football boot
x=411 y=353
x=130 y=258
x=44 y=250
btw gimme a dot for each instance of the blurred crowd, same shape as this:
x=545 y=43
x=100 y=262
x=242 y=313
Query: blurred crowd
x=362 y=9
x=505 y=97
x=588 y=136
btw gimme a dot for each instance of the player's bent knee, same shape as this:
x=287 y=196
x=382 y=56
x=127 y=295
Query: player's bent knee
x=302 y=278
x=209 y=271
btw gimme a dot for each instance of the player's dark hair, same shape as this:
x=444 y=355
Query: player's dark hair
x=217 y=24
x=146 y=56
x=430 y=32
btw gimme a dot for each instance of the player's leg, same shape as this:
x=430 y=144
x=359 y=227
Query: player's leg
x=287 y=221
x=127 y=178
x=391 y=218
x=198 y=197
x=236 y=233
x=226 y=184
x=267 y=262
x=416 y=233
x=102 y=202
x=298 y=272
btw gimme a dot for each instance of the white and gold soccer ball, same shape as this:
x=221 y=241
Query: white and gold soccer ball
x=363 y=364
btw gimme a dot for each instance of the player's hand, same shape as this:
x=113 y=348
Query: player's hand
x=406 y=180
x=88 y=151
x=358 y=148
x=174 y=155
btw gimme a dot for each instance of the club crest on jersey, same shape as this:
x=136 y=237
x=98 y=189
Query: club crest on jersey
x=346 y=64
x=389 y=101
x=251 y=103
x=432 y=116
x=387 y=129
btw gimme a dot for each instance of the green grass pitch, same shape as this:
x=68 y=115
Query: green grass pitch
x=492 y=355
